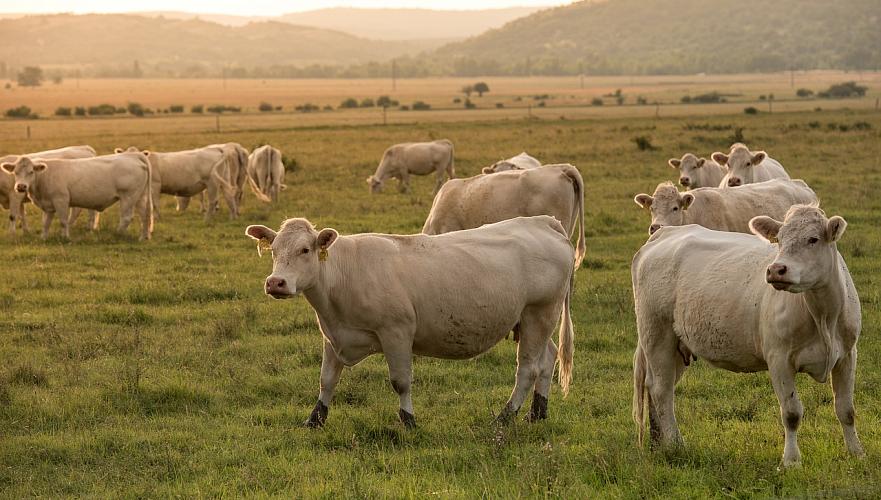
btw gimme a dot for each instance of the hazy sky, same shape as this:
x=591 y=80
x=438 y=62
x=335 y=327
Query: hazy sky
x=250 y=7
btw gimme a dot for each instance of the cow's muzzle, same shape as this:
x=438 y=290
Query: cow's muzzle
x=734 y=182
x=277 y=288
x=21 y=188
x=654 y=228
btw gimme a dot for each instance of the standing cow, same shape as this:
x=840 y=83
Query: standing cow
x=416 y=158
x=784 y=302
x=520 y=162
x=556 y=190
x=451 y=296
x=91 y=183
x=13 y=200
x=697 y=172
x=746 y=167
x=266 y=173
x=728 y=209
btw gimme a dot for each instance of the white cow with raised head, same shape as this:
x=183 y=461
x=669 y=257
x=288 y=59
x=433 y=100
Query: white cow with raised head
x=520 y=162
x=697 y=172
x=452 y=296
x=784 y=302
x=746 y=167
x=414 y=158
x=728 y=209
x=266 y=173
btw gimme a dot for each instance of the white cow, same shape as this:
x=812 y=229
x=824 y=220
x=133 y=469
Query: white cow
x=187 y=173
x=728 y=209
x=91 y=183
x=744 y=304
x=15 y=201
x=266 y=173
x=414 y=158
x=556 y=190
x=697 y=172
x=451 y=296
x=745 y=167
x=237 y=162
x=520 y=162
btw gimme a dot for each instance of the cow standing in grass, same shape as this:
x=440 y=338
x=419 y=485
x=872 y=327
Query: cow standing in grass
x=451 y=296
x=414 y=158
x=697 y=172
x=266 y=173
x=746 y=167
x=520 y=162
x=784 y=302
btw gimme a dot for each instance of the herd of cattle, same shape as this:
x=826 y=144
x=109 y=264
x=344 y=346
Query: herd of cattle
x=496 y=256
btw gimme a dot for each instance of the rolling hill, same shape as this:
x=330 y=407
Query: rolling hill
x=678 y=36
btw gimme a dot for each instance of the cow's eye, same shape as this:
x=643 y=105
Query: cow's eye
x=675 y=209
x=304 y=251
x=813 y=240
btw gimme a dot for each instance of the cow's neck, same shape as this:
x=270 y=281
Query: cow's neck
x=825 y=303
x=322 y=296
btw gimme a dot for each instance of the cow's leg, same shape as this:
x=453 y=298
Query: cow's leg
x=539 y=410
x=182 y=203
x=665 y=366
x=47 y=221
x=230 y=197
x=441 y=177
x=536 y=327
x=203 y=205
x=331 y=369
x=22 y=216
x=791 y=409
x=842 y=387
x=398 y=351
x=94 y=220
x=156 y=192
x=212 y=198
x=73 y=215
x=126 y=212
x=404 y=185
x=144 y=215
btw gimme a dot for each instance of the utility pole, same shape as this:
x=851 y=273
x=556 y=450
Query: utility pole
x=394 y=74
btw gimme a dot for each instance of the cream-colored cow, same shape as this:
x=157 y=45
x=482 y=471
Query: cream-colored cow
x=520 y=162
x=451 y=296
x=697 y=172
x=723 y=209
x=266 y=173
x=744 y=304
x=745 y=167
x=414 y=158
x=556 y=190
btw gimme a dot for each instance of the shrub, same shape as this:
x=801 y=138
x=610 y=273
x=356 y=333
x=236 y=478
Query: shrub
x=596 y=101
x=707 y=98
x=176 y=108
x=843 y=90
x=31 y=76
x=307 y=108
x=386 y=101
x=135 y=109
x=20 y=112
x=198 y=108
x=405 y=108
x=862 y=126
x=641 y=101
x=643 y=143
x=62 y=111
x=763 y=97
x=120 y=110
x=367 y=103
x=265 y=107
x=221 y=109
x=751 y=110
x=542 y=104
x=278 y=108
x=457 y=100
x=619 y=99
x=79 y=111
x=349 y=103
x=803 y=93
x=469 y=104
x=328 y=107
x=481 y=88
x=500 y=105
x=421 y=106
x=685 y=99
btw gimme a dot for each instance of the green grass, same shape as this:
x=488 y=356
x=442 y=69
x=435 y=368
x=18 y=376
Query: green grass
x=161 y=369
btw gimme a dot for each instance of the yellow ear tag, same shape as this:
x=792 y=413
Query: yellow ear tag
x=263 y=244
x=774 y=240
x=322 y=254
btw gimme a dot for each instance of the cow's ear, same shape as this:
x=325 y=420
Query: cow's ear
x=39 y=167
x=765 y=227
x=835 y=228
x=118 y=150
x=370 y=180
x=259 y=232
x=701 y=161
x=674 y=162
x=326 y=238
x=8 y=167
x=487 y=170
x=757 y=158
x=686 y=200
x=720 y=158
x=643 y=200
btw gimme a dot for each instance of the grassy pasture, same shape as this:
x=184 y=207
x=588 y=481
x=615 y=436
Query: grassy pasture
x=161 y=369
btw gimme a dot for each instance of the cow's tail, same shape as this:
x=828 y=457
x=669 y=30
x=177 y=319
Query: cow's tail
x=451 y=167
x=257 y=192
x=639 y=374
x=220 y=179
x=578 y=213
x=566 y=352
x=148 y=211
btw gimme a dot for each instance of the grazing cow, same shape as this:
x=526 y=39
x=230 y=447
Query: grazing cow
x=416 y=158
x=90 y=183
x=697 y=172
x=451 y=296
x=746 y=167
x=556 y=190
x=520 y=162
x=728 y=209
x=15 y=201
x=785 y=303
x=237 y=162
x=187 y=173
x=266 y=173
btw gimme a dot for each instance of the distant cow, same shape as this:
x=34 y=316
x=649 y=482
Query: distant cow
x=451 y=296
x=187 y=173
x=520 y=162
x=697 y=172
x=237 y=157
x=90 y=183
x=744 y=304
x=728 y=209
x=15 y=201
x=745 y=167
x=266 y=173
x=556 y=190
x=414 y=158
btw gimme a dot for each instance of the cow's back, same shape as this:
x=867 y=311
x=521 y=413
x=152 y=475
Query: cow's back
x=769 y=169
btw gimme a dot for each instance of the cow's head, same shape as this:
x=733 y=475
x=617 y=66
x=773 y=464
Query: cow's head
x=807 y=252
x=741 y=162
x=25 y=171
x=375 y=184
x=688 y=166
x=500 y=166
x=298 y=252
x=666 y=207
x=131 y=149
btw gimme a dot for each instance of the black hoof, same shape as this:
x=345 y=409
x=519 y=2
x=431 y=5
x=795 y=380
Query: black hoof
x=318 y=416
x=408 y=419
x=507 y=415
x=539 y=410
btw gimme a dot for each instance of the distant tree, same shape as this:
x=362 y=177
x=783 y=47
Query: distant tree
x=421 y=106
x=79 y=111
x=596 y=101
x=57 y=79
x=469 y=104
x=20 y=112
x=619 y=99
x=62 y=111
x=265 y=107
x=804 y=93
x=846 y=89
x=198 y=108
x=351 y=102
x=385 y=101
x=480 y=88
x=31 y=76
x=467 y=90
x=176 y=108
x=751 y=110
x=367 y=103
x=135 y=109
